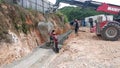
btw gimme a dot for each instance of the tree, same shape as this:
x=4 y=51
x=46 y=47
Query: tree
x=77 y=12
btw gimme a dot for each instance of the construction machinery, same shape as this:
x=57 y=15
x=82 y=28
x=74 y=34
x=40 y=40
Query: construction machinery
x=108 y=30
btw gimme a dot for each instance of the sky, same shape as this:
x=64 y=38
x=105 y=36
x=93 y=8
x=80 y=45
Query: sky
x=116 y=2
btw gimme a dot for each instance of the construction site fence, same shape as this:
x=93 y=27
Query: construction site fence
x=39 y=5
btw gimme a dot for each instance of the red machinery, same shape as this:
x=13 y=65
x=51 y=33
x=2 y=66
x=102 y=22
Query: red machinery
x=109 y=30
x=108 y=8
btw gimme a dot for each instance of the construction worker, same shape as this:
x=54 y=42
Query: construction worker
x=51 y=37
x=54 y=41
x=76 y=26
x=91 y=24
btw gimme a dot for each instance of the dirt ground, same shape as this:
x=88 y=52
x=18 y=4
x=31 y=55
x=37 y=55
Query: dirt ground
x=87 y=51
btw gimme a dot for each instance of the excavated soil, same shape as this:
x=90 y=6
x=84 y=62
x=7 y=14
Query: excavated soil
x=87 y=51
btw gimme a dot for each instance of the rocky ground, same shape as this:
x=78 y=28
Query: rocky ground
x=87 y=51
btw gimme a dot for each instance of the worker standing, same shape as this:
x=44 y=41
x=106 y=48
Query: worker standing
x=76 y=26
x=91 y=24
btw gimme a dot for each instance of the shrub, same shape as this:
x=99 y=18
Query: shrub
x=65 y=19
x=24 y=28
x=61 y=15
x=1 y=1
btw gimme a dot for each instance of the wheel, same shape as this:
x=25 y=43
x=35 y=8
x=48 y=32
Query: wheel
x=111 y=32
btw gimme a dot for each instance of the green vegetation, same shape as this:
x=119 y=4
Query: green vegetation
x=62 y=15
x=1 y=1
x=23 y=17
x=25 y=28
x=77 y=12
x=21 y=26
x=65 y=19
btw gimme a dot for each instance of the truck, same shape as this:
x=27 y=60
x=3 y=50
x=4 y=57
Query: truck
x=107 y=29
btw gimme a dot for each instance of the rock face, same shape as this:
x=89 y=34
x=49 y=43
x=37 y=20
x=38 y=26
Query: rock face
x=22 y=30
x=44 y=29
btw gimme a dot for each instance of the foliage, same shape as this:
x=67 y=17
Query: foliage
x=65 y=19
x=1 y=1
x=25 y=28
x=21 y=26
x=23 y=17
x=62 y=15
x=78 y=13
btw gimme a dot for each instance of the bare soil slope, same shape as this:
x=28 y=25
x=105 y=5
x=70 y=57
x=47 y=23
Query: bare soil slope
x=19 y=33
x=88 y=51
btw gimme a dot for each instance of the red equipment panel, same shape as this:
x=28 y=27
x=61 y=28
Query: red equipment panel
x=108 y=8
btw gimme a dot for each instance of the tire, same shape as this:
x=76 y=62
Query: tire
x=111 y=32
